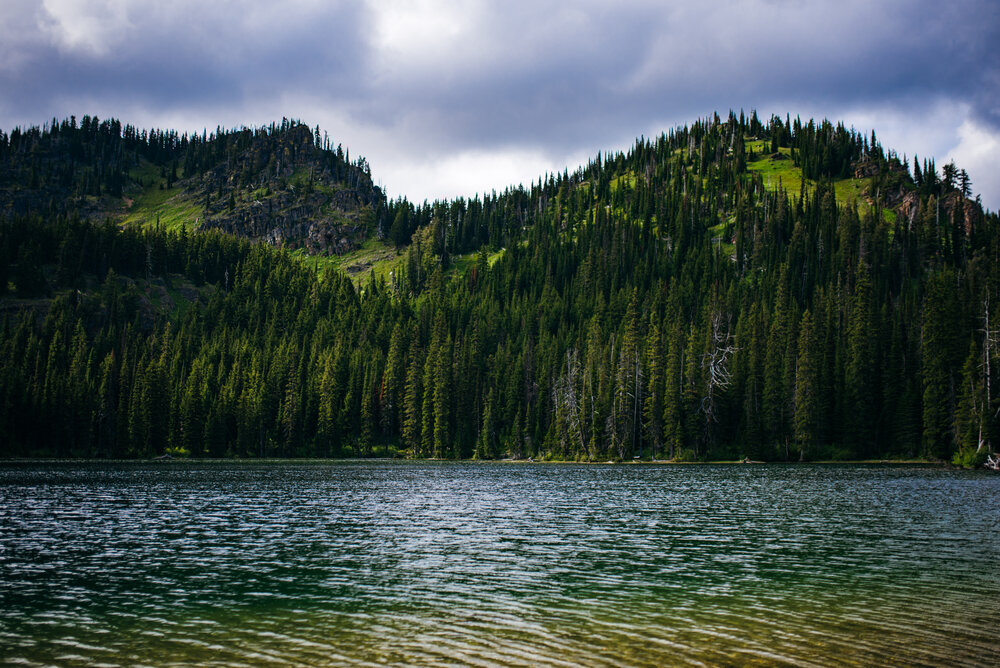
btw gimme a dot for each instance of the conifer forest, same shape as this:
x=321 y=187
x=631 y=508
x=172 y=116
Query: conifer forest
x=778 y=290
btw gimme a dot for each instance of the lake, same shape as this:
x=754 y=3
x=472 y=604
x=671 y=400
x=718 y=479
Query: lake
x=368 y=563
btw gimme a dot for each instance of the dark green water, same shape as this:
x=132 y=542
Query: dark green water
x=497 y=564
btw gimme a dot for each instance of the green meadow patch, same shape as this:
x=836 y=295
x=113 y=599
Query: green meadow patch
x=171 y=209
x=778 y=170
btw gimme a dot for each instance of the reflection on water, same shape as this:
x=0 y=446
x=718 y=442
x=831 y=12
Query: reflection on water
x=497 y=564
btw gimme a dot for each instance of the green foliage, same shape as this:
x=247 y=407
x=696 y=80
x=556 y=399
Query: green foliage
x=170 y=209
x=655 y=303
x=970 y=459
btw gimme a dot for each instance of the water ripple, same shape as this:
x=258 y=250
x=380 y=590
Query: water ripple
x=366 y=564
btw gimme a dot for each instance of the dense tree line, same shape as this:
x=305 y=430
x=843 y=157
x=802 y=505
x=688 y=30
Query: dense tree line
x=659 y=302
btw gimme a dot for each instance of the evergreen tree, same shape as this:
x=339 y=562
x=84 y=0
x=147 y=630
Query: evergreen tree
x=412 y=400
x=937 y=352
x=673 y=432
x=806 y=388
x=970 y=413
x=859 y=374
x=654 y=405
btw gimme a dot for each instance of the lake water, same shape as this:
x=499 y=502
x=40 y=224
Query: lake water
x=497 y=564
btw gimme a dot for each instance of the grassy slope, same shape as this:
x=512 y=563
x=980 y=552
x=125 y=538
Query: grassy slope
x=783 y=173
x=155 y=203
x=173 y=208
x=382 y=258
x=373 y=255
x=776 y=173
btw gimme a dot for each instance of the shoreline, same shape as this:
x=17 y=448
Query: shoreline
x=356 y=460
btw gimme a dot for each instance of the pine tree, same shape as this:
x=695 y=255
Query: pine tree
x=691 y=394
x=673 y=382
x=326 y=423
x=806 y=388
x=654 y=405
x=628 y=382
x=290 y=407
x=859 y=372
x=776 y=391
x=393 y=381
x=937 y=356
x=442 y=398
x=486 y=443
x=970 y=413
x=594 y=389
x=369 y=414
x=192 y=417
x=427 y=412
x=412 y=399
x=106 y=417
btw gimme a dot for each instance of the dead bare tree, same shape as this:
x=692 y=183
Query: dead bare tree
x=574 y=408
x=715 y=362
x=569 y=410
x=989 y=342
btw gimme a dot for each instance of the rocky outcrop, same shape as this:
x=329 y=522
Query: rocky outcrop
x=865 y=169
x=908 y=208
x=287 y=192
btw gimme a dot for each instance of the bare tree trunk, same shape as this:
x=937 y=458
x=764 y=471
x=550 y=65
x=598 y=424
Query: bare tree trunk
x=987 y=345
x=716 y=361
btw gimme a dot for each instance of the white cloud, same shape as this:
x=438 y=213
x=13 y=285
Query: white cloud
x=468 y=173
x=90 y=26
x=418 y=33
x=978 y=152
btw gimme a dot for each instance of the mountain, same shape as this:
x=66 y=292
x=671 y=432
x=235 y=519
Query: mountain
x=778 y=290
x=283 y=184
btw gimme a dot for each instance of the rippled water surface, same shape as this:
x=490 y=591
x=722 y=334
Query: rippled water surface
x=497 y=564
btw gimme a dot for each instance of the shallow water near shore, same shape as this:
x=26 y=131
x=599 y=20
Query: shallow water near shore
x=497 y=564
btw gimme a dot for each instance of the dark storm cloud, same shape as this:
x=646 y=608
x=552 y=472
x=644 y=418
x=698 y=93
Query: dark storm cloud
x=623 y=67
x=422 y=78
x=193 y=56
x=532 y=72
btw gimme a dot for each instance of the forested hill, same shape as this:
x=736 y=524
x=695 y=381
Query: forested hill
x=284 y=184
x=779 y=290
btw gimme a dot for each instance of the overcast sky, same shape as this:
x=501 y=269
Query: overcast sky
x=452 y=98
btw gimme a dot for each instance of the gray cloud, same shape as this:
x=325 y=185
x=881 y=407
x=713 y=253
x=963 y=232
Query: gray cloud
x=628 y=65
x=194 y=55
x=418 y=80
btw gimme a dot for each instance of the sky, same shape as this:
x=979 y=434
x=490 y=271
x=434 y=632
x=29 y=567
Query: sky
x=448 y=98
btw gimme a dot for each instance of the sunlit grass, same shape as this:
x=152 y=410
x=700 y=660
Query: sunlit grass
x=374 y=255
x=171 y=208
x=778 y=173
x=629 y=180
x=462 y=263
x=782 y=173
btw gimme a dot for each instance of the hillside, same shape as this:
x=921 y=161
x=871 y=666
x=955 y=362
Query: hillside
x=282 y=184
x=733 y=288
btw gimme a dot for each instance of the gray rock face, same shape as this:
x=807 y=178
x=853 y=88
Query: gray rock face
x=286 y=191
